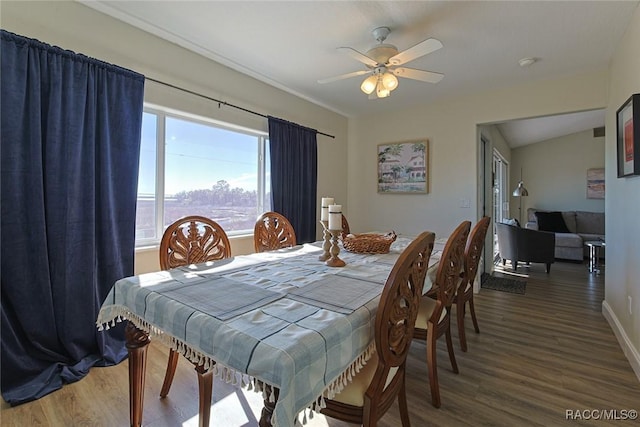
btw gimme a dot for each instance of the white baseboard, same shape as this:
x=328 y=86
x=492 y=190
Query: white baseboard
x=629 y=350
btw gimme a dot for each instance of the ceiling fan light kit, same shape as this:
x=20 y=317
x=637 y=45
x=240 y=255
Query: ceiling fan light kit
x=383 y=63
x=382 y=81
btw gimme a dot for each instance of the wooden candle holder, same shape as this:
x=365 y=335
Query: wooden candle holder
x=334 y=260
x=326 y=243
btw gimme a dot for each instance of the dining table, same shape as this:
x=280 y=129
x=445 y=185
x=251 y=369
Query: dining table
x=281 y=322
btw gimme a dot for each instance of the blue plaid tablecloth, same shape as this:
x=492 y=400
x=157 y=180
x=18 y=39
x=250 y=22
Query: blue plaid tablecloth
x=280 y=318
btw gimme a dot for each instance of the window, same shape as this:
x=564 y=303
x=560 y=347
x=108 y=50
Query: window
x=195 y=166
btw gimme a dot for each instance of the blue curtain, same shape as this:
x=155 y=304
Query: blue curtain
x=294 y=178
x=70 y=132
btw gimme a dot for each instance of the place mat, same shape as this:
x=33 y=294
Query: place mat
x=336 y=293
x=229 y=298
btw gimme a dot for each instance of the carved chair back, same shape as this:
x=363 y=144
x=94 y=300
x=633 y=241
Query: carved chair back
x=191 y=240
x=384 y=374
x=273 y=231
x=450 y=270
x=400 y=300
x=473 y=251
x=345 y=226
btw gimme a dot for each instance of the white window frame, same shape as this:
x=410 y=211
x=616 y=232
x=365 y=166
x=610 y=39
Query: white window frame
x=161 y=114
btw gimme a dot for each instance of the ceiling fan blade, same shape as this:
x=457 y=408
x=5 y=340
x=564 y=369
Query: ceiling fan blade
x=343 y=76
x=412 y=73
x=358 y=56
x=424 y=47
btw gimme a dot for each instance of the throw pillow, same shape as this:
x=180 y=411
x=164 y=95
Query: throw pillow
x=551 y=221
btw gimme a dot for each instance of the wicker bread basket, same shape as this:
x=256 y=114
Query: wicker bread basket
x=368 y=243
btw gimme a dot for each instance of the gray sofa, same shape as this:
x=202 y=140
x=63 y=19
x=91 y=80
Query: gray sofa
x=583 y=226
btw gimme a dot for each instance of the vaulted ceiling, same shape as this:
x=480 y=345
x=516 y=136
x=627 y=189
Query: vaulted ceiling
x=293 y=44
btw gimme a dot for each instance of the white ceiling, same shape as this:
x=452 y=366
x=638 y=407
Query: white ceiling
x=292 y=45
x=529 y=131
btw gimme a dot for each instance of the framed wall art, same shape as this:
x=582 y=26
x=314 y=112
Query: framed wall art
x=403 y=167
x=595 y=183
x=628 y=137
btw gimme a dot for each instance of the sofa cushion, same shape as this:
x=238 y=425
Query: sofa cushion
x=568 y=240
x=551 y=221
x=590 y=222
x=563 y=252
x=570 y=220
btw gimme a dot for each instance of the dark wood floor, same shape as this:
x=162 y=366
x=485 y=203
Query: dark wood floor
x=537 y=356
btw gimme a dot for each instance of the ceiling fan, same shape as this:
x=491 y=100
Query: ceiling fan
x=384 y=64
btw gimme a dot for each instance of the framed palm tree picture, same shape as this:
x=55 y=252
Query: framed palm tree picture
x=403 y=167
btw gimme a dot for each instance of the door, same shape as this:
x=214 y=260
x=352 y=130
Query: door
x=500 y=185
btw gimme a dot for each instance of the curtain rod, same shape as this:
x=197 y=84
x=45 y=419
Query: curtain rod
x=220 y=102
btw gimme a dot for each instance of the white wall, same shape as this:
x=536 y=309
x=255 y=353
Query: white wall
x=76 y=27
x=452 y=128
x=555 y=173
x=622 y=205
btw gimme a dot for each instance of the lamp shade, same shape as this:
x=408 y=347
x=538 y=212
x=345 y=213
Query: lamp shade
x=381 y=90
x=520 y=191
x=369 y=84
x=390 y=81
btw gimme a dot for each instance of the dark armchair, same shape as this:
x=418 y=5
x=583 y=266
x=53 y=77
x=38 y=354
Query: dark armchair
x=521 y=244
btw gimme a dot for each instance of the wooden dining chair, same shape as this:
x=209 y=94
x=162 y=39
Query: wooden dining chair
x=464 y=295
x=346 y=230
x=434 y=315
x=192 y=240
x=273 y=231
x=375 y=387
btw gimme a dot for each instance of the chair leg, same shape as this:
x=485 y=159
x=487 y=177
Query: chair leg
x=452 y=356
x=404 y=409
x=504 y=262
x=460 y=312
x=432 y=367
x=472 y=310
x=172 y=363
x=548 y=267
x=205 y=389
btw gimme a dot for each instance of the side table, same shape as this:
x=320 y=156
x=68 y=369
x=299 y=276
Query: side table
x=594 y=254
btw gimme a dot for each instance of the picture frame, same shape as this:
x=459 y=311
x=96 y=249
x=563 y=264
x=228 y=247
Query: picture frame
x=403 y=167
x=595 y=183
x=628 y=137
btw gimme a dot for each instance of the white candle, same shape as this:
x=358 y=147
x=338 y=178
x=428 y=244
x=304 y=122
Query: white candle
x=335 y=217
x=324 y=211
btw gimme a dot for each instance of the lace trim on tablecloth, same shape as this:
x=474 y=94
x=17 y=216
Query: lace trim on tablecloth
x=338 y=384
x=229 y=375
